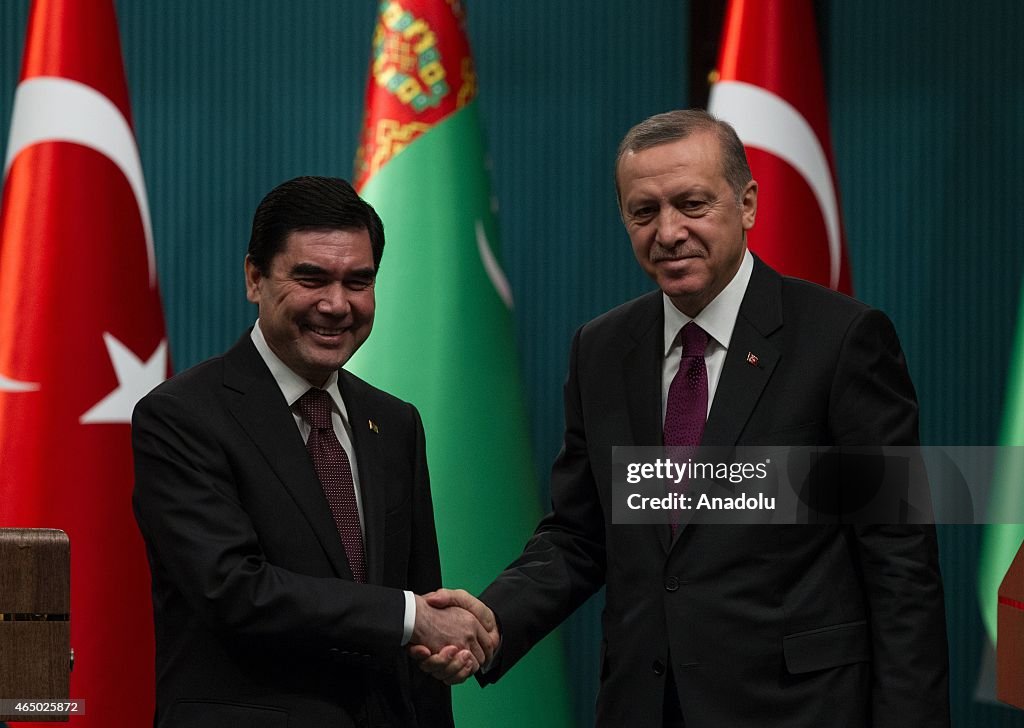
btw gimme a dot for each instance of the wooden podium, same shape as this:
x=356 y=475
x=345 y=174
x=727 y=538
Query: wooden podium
x=35 y=627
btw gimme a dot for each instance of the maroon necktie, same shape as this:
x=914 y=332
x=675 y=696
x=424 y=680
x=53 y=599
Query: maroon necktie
x=335 y=474
x=687 y=406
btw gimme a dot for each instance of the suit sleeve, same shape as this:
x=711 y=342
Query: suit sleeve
x=873 y=403
x=564 y=562
x=431 y=698
x=204 y=548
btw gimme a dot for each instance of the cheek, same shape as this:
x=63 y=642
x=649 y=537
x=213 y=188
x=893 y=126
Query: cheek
x=367 y=299
x=298 y=303
x=720 y=243
x=364 y=308
x=641 y=247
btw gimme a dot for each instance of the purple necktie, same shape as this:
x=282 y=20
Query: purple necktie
x=335 y=474
x=687 y=406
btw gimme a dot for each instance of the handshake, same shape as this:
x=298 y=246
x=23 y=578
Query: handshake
x=454 y=636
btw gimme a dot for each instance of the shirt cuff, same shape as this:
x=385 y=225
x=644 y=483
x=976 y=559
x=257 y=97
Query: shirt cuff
x=410 y=617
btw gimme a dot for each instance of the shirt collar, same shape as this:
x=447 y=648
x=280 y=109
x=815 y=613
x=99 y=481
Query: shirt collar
x=719 y=317
x=291 y=384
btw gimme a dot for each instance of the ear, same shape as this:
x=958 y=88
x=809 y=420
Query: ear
x=749 y=204
x=253 y=279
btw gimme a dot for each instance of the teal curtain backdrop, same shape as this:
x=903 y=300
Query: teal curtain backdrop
x=927 y=113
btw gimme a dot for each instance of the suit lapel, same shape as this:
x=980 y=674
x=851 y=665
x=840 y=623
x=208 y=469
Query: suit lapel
x=641 y=372
x=261 y=411
x=749 y=362
x=743 y=380
x=372 y=474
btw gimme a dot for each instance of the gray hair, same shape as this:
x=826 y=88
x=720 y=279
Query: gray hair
x=672 y=126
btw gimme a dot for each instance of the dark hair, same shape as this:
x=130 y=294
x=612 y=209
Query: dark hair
x=310 y=203
x=675 y=125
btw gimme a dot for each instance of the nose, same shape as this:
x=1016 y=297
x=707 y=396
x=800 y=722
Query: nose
x=334 y=300
x=672 y=228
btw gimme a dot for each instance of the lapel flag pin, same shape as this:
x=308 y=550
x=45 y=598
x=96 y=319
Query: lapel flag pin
x=373 y=426
x=752 y=359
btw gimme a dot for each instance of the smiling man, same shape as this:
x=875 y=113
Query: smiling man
x=687 y=215
x=286 y=506
x=726 y=625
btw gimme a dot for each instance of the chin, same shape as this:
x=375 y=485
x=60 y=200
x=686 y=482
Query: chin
x=681 y=289
x=325 y=364
x=332 y=364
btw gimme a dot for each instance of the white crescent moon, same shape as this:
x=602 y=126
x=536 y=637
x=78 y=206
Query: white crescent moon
x=52 y=109
x=13 y=385
x=767 y=121
x=492 y=266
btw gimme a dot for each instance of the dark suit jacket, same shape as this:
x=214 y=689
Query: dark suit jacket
x=766 y=626
x=258 y=622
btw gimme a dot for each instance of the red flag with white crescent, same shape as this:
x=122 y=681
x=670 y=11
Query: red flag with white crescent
x=81 y=340
x=770 y=88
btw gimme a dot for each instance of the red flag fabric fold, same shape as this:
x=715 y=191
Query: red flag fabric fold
x=82 y=338
x=770 y=88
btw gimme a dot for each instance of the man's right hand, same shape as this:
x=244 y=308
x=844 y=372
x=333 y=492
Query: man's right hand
x=453 y=625
x=453 y=661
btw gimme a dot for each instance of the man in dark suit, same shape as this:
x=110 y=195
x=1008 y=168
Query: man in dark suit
x=286 y=506
x=708 y=626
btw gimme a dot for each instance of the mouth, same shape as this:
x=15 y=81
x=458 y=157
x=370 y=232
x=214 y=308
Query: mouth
x=325 y=332
x=674 y=261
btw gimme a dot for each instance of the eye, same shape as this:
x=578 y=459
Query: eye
x=359 y=284
x=695 y=208
x=309 y=281
x=642 y=213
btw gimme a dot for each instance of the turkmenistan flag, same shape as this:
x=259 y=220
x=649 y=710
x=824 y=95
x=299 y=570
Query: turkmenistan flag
x=1000 y=541
x=443 y=337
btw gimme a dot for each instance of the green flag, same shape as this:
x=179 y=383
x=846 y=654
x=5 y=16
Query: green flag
x=1000 y=541
x=443 y=337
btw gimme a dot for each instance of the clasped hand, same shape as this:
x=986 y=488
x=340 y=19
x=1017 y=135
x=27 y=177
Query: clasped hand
x=455 y=635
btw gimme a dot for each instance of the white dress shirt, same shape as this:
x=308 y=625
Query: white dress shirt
x=718 y=319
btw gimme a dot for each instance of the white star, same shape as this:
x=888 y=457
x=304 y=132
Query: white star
x=135 y=379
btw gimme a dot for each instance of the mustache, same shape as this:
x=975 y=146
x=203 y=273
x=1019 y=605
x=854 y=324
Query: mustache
x=659 y=253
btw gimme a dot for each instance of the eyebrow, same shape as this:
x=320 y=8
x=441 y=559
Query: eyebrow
x=307 y=269
x=312 y=269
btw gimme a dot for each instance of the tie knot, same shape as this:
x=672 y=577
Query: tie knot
x=315 y=406
x=694 y=340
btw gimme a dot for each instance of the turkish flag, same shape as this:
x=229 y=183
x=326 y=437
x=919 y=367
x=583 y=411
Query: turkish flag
x=770 y=88
x=81 y=341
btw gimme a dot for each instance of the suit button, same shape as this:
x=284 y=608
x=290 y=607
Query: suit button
x=671 y=584
x=659 y=667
